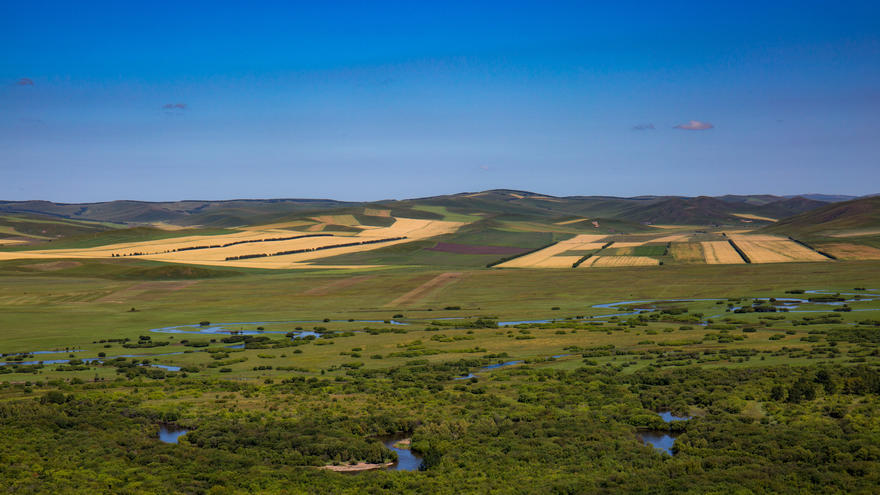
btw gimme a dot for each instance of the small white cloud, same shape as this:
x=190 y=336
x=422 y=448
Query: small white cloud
x=695 y=125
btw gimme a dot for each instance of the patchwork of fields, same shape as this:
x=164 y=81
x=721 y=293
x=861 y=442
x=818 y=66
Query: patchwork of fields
x=275 y=246
x=334 y=241
x=686 y=248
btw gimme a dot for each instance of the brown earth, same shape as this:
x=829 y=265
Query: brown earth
x=337 y=285
x=421 y=291
x=138 y=292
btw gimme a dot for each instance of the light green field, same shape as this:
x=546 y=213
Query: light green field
x=63 y=309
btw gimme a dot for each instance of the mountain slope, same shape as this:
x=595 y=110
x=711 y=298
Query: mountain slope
x=848 y=218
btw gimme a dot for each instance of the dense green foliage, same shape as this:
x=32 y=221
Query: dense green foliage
x=524 y=431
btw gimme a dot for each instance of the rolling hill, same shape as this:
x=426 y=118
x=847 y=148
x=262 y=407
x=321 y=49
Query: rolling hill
x=847 y=219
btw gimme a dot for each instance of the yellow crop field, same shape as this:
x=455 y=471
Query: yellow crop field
x=541 y=259
x=611 y=261
x=9 y=242
x=749 y=216
x=568 y=222
x=770 y=249
x=672 y=238
x=687 y=252
x=629 y=244
x=557 y=262
x=720 y=253
x=847 y=251
x=179 y=250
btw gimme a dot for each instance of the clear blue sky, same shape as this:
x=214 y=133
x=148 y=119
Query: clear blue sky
x=371 y=100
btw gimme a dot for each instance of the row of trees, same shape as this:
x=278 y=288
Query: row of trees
x=308 y=250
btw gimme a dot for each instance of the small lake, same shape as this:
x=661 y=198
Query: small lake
x=662 y=440
x=406 y=459
x=170 y=433
x=668 y=417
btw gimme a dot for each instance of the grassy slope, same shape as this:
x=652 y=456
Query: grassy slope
x=135 y=234
x=859 y=214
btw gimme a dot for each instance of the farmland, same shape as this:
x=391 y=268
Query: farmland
x=391 y=345
x=771 y=249
x=294 y=368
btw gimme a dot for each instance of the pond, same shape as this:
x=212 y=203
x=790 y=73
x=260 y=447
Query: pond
x=170 y=433
x=662 y=440
x=668 y=417
x=406 y=459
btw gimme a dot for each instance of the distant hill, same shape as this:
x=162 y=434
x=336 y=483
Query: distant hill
x=849 y=217
x=501 y=204
x=827 y=198
x=15 y=227
x=205 y=213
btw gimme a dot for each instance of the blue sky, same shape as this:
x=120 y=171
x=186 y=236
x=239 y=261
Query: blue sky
x=374 y=100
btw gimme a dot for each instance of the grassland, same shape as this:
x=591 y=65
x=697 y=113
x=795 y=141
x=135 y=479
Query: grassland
x=392 y=344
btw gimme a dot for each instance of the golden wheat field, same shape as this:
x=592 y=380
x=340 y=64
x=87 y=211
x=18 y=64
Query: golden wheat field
x=179 y=250
x=847 y=251
x=720 y=253
x=771 y=249
x=541 y=259
x=612 y=261
x=557 y=262
x=750 y=216
x=687 y=252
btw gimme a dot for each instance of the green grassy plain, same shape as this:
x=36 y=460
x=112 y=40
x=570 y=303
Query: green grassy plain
x=47 y=310
x=566 y=418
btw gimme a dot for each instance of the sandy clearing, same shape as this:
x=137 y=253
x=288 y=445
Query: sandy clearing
x=373 y=212
x=421 y=291
x=749 y=216
x=568 y=222
x=337 y=285
x=611 y=261
x=137 y=292
x=720 y=253
x=847 y=251
x=352 y=468
x=775 y=251
x=687 y=252
x=856 y=233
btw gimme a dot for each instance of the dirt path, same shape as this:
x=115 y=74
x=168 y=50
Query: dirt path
x=421 y=291
x=137 y=291
x=336 y=285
